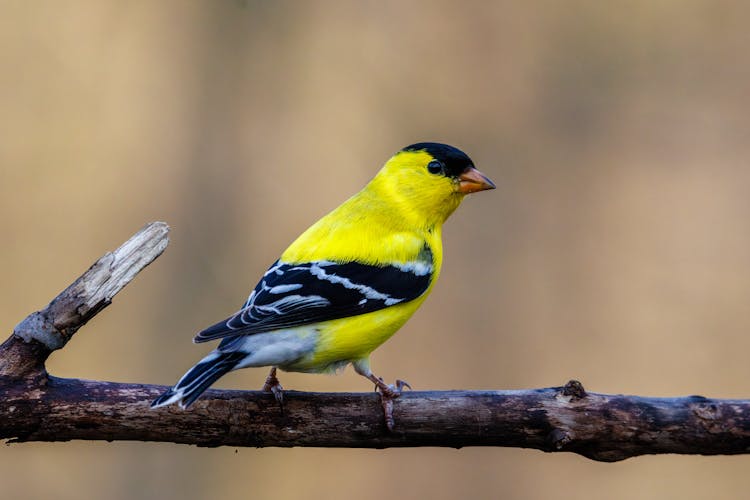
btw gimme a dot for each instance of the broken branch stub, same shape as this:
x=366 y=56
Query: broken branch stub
x=51 y=328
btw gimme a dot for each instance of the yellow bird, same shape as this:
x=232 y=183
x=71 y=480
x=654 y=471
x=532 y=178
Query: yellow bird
x=348 y=282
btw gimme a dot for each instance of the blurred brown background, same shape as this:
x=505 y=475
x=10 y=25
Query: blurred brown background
x=616 y=249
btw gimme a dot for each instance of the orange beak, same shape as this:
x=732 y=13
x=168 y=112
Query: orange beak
x=472 y=180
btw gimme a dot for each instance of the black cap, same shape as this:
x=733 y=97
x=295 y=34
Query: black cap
x=454 y=160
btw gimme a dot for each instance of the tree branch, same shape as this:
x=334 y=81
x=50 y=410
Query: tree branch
x=24 y=353
x=37 y=407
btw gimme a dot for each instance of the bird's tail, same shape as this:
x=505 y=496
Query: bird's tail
x=199 y=378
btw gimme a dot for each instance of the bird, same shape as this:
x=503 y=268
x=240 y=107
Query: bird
x=347 y=283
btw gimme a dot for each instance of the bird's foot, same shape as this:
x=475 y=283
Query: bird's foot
x=274 y=386
x=387 y=394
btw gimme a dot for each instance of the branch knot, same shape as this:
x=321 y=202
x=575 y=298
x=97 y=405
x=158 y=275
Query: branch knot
x=574 y=389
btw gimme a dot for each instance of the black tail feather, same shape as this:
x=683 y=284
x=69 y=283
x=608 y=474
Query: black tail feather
x=199 y=378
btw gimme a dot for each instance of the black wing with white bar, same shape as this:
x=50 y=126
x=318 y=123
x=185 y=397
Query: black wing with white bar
x=291 y=295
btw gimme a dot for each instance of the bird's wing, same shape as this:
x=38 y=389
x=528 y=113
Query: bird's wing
x=291 y=295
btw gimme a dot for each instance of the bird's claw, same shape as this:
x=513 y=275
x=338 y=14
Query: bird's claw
x=387 y=394
x=400 y=384
x=273 y=386
x=387 y=403
x=393 y=390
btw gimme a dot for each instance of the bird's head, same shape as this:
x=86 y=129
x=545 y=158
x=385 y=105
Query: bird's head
x=428 y=180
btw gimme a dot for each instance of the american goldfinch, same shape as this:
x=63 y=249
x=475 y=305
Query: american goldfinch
x=348 y=282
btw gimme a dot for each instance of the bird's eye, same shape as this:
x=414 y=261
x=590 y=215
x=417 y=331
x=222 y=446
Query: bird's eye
x=435 y=167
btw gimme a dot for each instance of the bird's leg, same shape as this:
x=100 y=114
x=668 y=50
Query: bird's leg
x=387 y=394
x=273 y=385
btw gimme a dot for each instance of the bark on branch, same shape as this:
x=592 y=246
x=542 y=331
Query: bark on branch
x=37 y=407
